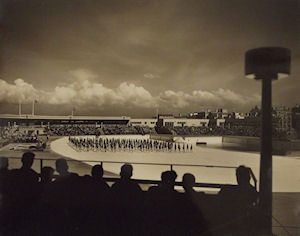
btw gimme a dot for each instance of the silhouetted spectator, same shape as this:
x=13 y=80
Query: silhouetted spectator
x=95 y=202
x=47 y=174
x=46 y=182
x=238 y=201
x=26 y=170
x=193 y=205
x=126 y=184
x=66 y=198
x=168 y=180
x=4 y=174
x=23 y=192
x=63 y=170
x=165 y=188
x=244 y=193
x=127 y=199
x=45 y=206
x=97 y=177
x=163 y=209
x=188 y=182
x=25 y=180
x=4 y=194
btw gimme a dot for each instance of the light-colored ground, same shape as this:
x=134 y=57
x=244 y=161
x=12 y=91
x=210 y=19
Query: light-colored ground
x=286 y=205
x=75 y=166
x=286 y=174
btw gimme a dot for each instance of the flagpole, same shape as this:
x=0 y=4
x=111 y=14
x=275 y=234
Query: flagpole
x=33 y=107
x=20 y=109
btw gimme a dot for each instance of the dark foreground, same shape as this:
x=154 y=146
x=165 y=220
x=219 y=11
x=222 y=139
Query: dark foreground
x=87 y=217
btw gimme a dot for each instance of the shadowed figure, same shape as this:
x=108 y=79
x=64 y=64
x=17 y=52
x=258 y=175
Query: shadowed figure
x=4 y=194
x=23 y=192
x=63 y=170
x=97 y=178
x=24 y=181
x=47 y=175
x=45 y=207
x=4 y=175
x=65 y=198
x=193 y=204
x=127 y=199
x=238 y=202
x=163 y=207
x=95 y=202
x=46 y=182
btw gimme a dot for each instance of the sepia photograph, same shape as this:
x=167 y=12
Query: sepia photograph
x=150 y=117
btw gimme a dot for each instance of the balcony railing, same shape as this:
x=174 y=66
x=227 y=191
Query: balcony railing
x=151 y=182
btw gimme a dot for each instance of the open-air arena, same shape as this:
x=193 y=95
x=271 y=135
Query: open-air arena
x=210 y=163
x=285 y=168
x=149 y=118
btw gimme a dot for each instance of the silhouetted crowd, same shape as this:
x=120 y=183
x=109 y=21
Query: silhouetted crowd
x=123 y=144
x=252 y=131
x=69 y=204
x=17 y=136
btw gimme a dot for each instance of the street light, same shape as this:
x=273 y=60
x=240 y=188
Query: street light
x=267 y=64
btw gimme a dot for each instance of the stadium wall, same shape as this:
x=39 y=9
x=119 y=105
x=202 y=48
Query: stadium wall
x=253 y=144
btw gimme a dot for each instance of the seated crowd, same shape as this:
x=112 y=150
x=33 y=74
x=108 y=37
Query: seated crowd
x=89 y=129
x=69 y=204
x=73 y=129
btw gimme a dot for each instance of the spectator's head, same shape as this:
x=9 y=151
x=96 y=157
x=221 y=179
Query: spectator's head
x=97 y=171
x=243 y=175
x=27 y=160
x=61 y=166
x=126 y=171
x=3 y=163
x=47 y=174
x=168 y=179
x=188 y=181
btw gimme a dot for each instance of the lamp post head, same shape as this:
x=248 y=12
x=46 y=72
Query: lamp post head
x=267 y=63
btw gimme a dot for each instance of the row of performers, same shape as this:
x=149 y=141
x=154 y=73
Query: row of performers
x=127 y=144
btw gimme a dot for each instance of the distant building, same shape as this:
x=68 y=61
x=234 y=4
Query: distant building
x=150 y=122
x=171 y=121
x=282 y=119
x=197 y=115
x=222 y=113
x=295 y=113
x=38 y=120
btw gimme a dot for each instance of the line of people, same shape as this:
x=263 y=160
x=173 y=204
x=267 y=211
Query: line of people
x=118 y=144
x=33 y=204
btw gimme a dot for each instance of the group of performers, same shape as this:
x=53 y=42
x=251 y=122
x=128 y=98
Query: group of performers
x=119 y=144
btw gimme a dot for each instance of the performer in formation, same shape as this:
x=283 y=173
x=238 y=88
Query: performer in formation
x=119 y=144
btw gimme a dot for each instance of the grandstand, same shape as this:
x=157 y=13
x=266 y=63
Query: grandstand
x=43 y=120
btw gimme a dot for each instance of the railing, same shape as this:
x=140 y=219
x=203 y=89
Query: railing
x=156 y=182
x=143 y=181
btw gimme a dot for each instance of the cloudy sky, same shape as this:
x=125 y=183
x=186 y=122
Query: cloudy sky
x=133 y=57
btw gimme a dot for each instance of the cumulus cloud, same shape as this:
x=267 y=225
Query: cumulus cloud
x=83 y=91
x=20 y=91
x=217 y=98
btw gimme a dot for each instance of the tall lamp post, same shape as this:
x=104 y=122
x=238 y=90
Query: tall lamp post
x=267 y=64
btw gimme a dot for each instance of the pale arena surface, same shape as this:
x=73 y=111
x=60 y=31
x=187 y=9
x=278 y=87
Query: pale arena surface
x=286 y=174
